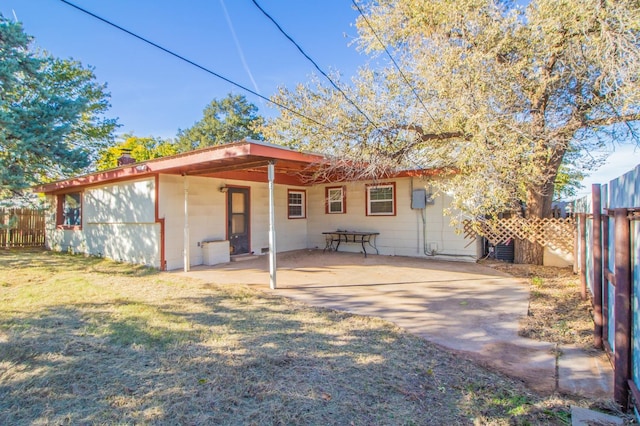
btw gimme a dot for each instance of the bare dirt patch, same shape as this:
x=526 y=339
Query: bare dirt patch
x=87 y=341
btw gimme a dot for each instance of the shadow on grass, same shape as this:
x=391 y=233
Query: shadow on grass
x=232 y=357
x=53 y=262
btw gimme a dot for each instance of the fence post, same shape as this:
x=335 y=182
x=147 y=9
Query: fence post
x=607 y=275
x=597 y=266
x=622 y=363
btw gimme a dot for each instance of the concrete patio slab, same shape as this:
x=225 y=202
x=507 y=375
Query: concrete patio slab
x=471 y=309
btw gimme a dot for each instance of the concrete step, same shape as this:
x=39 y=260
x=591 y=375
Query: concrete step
x=585 y=373
x=243 y=257
x=585 y=417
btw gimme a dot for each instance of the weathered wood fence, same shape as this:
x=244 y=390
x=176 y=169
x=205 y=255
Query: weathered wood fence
x=608 y=254
x=21 y=227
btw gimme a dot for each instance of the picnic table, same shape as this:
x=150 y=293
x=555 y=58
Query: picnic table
x=334 y=238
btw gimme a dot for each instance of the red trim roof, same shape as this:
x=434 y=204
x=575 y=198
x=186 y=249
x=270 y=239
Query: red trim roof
x=244 y=160
x=243 y=155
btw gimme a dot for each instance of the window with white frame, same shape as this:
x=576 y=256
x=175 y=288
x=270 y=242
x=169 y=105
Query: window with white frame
x=336 y=202
x=381 y=199
x=296 y=207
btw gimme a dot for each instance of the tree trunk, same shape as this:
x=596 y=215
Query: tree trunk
x=527 y=252
x=539 y=202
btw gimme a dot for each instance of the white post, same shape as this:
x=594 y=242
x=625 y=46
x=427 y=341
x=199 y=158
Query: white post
x=272 y=228
x=186 y=225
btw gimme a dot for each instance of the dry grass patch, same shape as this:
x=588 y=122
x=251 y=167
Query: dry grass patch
x=88 y=341
x=557 y=312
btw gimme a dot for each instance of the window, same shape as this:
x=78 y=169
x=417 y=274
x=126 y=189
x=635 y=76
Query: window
x=336 y=202
x=70 y=209
x=296 y=208
x=381 y=199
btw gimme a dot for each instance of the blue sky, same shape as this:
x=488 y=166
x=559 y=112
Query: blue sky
x=155 y=94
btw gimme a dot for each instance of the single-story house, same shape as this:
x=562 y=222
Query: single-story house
x=200 y=207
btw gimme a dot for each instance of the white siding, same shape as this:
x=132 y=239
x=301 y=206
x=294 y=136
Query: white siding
x=125 y=202
x=400 y=235
x=118 y=222
x=291 y=233
x=207 y=216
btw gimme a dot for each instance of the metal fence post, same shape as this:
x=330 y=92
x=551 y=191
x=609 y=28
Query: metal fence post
x=597 y=266
x=622 y=350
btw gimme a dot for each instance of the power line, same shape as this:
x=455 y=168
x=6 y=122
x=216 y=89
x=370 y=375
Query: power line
x=314 y=64
x=190 y=62
x=406 y=80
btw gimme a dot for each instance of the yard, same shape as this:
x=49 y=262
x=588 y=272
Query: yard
x=86 y=340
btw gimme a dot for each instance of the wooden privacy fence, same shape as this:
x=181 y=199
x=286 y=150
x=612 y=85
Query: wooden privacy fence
x=556 y=233
x=21 y=228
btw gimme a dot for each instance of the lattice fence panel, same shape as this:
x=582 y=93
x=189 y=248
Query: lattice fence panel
x=556 y=233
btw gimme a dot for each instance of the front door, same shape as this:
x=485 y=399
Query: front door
x=238 y=220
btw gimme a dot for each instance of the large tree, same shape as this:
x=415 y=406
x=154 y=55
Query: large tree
x=226 y=120
x=503 y=94
x=51 y=114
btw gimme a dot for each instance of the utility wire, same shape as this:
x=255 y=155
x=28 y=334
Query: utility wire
x=314 y=64
x=406 y=80
x=190 y=62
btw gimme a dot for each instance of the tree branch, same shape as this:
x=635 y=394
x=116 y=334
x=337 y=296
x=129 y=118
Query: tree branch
x=607 y=121
x=424 y=137
x=577 y=123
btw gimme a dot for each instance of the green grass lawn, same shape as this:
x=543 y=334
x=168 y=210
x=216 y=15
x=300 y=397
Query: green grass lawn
x=89 y=341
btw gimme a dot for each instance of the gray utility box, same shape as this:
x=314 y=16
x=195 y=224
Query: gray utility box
x=420 y=199
x=214 y=252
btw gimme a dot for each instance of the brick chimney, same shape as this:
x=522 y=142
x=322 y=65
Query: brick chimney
x=125 y=158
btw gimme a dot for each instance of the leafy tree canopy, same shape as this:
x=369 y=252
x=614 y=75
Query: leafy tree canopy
x=230 y=119
x=499 y=92
x=51 y=114
x=140 y=148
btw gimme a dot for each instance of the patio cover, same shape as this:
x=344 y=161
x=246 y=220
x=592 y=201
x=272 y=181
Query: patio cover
x=247 y=160
x=243 y=160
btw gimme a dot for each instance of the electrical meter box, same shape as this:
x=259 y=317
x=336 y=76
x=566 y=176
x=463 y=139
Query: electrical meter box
x=419 y=199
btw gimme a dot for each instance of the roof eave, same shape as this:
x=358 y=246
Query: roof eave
x=182 y=163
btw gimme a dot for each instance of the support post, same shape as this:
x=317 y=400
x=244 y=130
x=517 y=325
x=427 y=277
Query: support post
x=605 y=292
x=185 y=251
x=622 y=350
x=272 y=228
x=582 y=237
x=597 y=265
